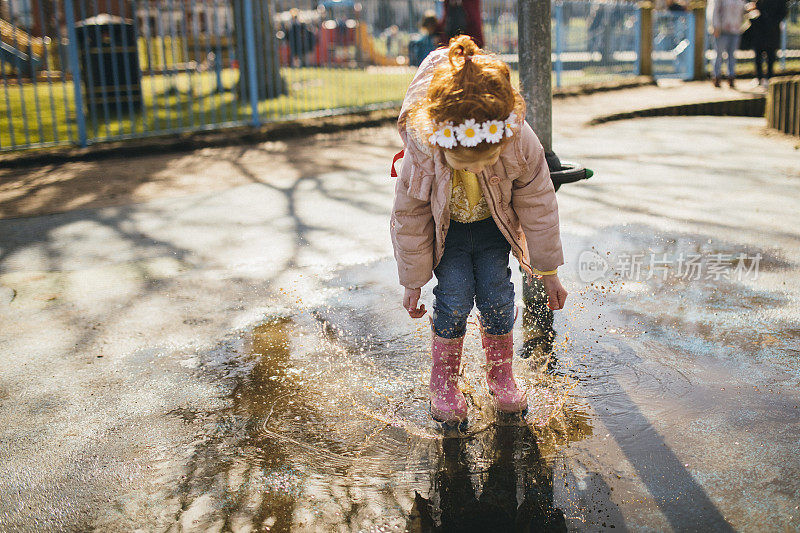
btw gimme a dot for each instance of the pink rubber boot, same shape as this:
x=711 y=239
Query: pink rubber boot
x=499 y=375
x=448 y=404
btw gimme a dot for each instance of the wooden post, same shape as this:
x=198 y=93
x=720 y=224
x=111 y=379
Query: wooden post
x=645 y=38
x=783 y=104
x=698 y=7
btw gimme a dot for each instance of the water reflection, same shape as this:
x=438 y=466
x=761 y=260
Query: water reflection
x=301 y=448
x=325 y=427
x=513 y=492
x=264 y=395
x=328 y=427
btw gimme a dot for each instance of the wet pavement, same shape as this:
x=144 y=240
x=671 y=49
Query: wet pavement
x=238 y=359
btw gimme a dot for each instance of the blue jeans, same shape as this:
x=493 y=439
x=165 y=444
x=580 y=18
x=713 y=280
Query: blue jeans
x=473 y=271
x=726 y=43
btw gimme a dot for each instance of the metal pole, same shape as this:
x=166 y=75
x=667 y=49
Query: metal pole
x=535 y=75
x=559 y=41
x=250 y=43
x=784 y=43
x=535 y=67
x=72 y=52
x=693 y=64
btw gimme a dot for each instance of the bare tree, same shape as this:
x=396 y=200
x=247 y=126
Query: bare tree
x=268 y=76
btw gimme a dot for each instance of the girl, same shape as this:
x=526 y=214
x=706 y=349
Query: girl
x=474 y=185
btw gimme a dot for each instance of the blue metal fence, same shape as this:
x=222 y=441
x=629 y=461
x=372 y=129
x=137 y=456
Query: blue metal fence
x=77 y=72
x=673 y=44
x=594 y=41
x=590 y=41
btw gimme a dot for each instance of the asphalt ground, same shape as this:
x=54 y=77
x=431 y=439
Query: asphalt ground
x=113 y=307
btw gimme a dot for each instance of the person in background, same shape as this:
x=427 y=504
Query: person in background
x=766 y=35
x=301 y=39
x=726 y=26
x=676 y=5
x=600 y=28
x=391 y=37
x=462 y=17
x=425 y=41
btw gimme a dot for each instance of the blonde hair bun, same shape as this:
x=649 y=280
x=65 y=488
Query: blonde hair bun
x=472 y=85
x=461 y=47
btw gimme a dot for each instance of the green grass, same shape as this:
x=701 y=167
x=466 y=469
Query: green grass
x=748 y=68
x=187 y=101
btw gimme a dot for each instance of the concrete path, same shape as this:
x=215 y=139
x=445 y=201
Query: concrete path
x=111 y=317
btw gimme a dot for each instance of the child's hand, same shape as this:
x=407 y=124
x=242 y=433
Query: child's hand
x=556 y=293
x=410 y=301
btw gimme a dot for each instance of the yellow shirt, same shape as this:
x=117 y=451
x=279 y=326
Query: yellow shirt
x=467 y=203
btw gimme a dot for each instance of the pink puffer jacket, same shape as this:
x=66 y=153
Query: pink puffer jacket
x=517 y=189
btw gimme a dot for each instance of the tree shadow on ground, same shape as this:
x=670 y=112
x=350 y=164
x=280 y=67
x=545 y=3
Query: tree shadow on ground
x=118 y=181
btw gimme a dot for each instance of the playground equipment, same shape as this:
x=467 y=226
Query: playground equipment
x=366 y=45
x=337 y=36
x=20 y=49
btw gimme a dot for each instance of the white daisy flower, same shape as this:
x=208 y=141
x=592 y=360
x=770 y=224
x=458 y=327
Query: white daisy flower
x=445 y=136
x=469 y=133
x=493 y=131
x=511 y=122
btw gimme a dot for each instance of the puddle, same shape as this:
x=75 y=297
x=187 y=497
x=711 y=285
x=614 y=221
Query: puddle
x=325 y=425
x=700 y=295
x=327 y=428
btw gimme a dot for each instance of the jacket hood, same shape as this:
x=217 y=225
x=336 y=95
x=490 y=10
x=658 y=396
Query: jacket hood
x=417 y=90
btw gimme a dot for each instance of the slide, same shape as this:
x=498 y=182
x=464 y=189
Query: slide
x=14 y=44
x=366 y=44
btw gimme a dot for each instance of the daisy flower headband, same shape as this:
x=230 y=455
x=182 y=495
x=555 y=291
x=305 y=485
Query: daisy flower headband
x=471 y=133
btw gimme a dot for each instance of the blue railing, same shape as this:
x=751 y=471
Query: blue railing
x=673 y=44
x=81 y=72
x=594 y=41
